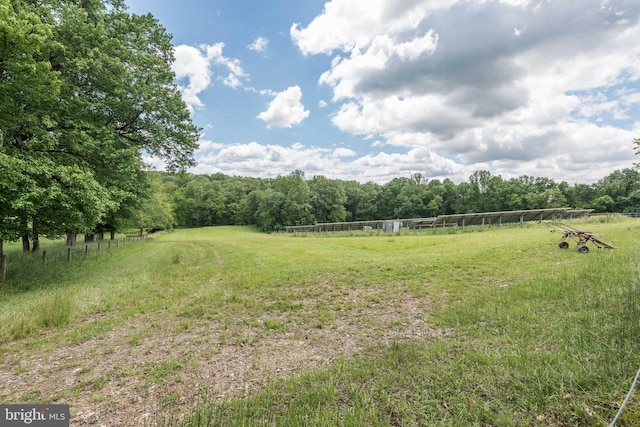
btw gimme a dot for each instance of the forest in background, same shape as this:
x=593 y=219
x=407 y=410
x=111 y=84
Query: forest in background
x=185 y=200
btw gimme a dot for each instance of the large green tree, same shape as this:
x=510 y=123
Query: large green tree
x=362 y=200
x=28 y=89
x=296 y=209
x=328 y=199
x=155 y=212
x=618 y=185
x=86 y=90
x=270 y=205
x=391 y=202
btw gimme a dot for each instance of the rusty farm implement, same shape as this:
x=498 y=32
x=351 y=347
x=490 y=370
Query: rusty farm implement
x=581 y=237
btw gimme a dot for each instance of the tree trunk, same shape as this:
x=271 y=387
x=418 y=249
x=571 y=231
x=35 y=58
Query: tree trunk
x=71 y=239
x=89 y=238
x=26 y=247
x=113 y=234
x=36 y=238
x=3 y=264
x=141 y=231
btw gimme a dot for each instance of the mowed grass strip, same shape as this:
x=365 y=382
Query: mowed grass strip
x=514 y=330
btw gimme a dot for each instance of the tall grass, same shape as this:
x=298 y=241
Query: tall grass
x=48 y=312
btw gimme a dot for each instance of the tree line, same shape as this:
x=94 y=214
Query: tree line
x=274 y=203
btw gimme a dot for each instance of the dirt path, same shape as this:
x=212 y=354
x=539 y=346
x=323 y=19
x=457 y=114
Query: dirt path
x=154 y=367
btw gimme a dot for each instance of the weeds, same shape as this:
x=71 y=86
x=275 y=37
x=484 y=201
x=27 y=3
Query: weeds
x=54 y=311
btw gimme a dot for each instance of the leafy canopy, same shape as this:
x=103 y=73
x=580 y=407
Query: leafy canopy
x=86 y=89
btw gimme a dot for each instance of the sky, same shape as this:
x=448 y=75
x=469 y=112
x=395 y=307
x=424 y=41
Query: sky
x=371 y=90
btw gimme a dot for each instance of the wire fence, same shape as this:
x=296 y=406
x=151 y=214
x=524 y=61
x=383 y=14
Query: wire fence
x=71 y=253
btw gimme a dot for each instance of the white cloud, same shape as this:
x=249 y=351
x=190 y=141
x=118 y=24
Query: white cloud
x=347 y=74
x=215 y=53
x=507 y=85
x=348 y=24
x=194 y=64
x=191 y=64
x=285 y=110
x=260 y=45
x=258 y=160
x=267 y=160
x=343 y=152
x=383 y=167
x=232 y=81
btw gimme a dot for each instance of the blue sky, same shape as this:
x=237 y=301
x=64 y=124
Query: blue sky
x=371 y=90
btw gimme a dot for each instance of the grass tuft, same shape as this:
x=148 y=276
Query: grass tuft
x=54 y=311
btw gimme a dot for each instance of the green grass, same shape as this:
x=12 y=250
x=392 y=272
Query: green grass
x=494 y=326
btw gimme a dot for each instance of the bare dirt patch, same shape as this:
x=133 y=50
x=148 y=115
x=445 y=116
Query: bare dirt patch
x=156 y=364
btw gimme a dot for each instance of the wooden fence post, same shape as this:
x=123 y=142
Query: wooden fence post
x=68 y=254
x=44 y=259
x=3 y=268
x=86 y=250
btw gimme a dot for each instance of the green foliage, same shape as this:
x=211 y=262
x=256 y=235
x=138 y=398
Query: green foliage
x=362 y=200
x=28 y=85
x=269 y=210
x=296 y=208
x=85 y=90
x=15 y=188
x=155 y=210
x=272 y=204
x=619 y=187
x=603 y=204
x=328 y=199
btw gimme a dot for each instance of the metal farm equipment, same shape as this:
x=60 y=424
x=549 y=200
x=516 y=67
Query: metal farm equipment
x=582 y=238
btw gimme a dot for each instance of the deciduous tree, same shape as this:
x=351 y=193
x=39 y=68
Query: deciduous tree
x=86 y=90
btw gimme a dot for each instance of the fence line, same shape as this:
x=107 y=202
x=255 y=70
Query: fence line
x=71 y=252
x=631 y=214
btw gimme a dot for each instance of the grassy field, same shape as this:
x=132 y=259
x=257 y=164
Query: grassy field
x=227 y=326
